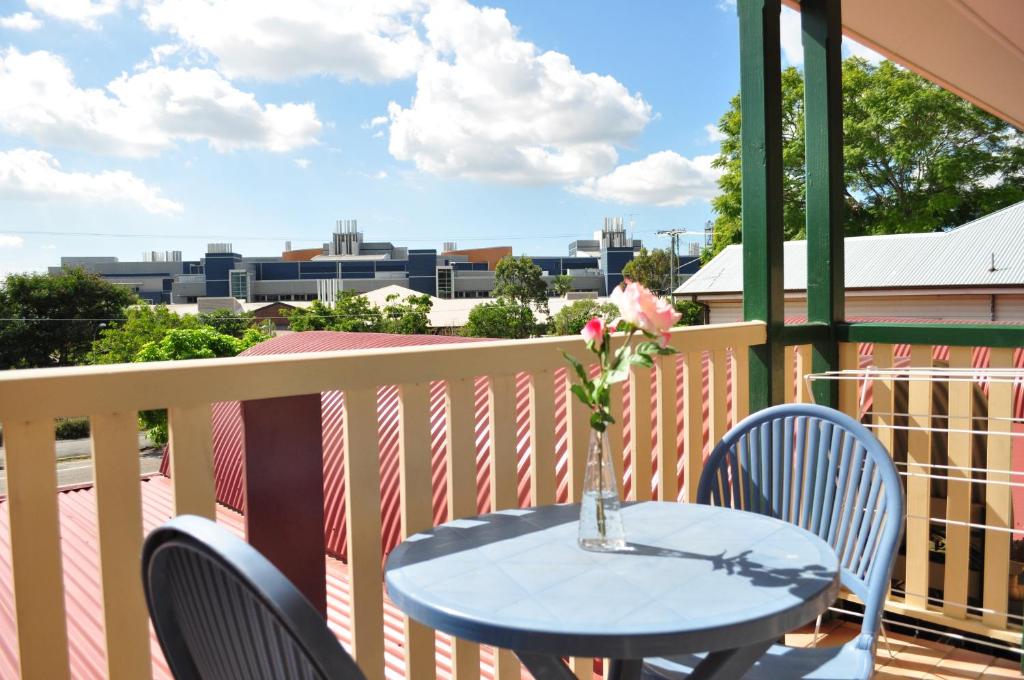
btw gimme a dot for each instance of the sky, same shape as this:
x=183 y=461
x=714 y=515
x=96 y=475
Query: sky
x=136 y=125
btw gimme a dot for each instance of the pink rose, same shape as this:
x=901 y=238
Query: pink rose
x=593 y=332
x=644 y=309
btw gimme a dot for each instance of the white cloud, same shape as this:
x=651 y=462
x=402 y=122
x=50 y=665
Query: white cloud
x=11 y=241
x=302 y=162
x=22 y=21
x=36 y=175
x=375 y=122
x=790 y=35
x=664 y=179
x=727 y=5
x=145 y=113
x=49 y=246
x=714 y=134
x=349 y=39
x=489 y=106
x=855 y=49
x=381 y=174
x=82 y=12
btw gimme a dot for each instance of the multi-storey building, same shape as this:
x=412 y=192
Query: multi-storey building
x=349 y=262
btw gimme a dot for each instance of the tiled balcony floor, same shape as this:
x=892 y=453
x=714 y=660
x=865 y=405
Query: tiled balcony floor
x=907 y=657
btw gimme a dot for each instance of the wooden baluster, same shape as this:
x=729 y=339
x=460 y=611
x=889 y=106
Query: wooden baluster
x=640 y=432
x=504 y=482
x=998 y=503
x=115 y=454
x=788 y=367
x=190 y=438
x=803 y=363
x=461 y=476
x=542 y=438
x=716 y=398
x=416 y=508
x=668 y=454
x=849 y=397
x=362 y=512
x=578 y=439
x=35 y=549
x=958 y=495
x=740 y=383
x=919 y=491
x=694 y=423
x=883 y=403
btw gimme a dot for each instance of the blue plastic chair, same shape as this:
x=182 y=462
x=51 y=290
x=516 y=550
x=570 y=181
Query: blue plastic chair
x=825 y=472
x=222 y=611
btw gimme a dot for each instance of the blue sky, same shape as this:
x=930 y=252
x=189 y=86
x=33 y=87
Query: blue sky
x=253 y=121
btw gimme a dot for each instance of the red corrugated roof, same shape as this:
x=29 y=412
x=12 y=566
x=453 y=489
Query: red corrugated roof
x=79 y=540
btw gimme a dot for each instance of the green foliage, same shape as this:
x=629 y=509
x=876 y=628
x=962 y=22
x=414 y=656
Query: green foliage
x=571 y=319
x=121 y=341
x=54 y=319
x=72 y=428
x=561 y=284
x=650 y=268
x=519 y=280
x=500 y=319
x=354 y=313
x=693 y=312
x=917 y=158
x=183 y=343
x=227 y=321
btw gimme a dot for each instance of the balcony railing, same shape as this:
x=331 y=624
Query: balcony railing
x=688 y=400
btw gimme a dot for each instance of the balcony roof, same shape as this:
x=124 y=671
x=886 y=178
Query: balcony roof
x=974 y=48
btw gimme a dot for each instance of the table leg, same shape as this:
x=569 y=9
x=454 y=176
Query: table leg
x=729 y=663
x=545 y=667
x=625 y=669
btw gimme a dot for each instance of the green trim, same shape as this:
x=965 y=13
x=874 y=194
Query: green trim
x=806 y=334
x=761 y=152
x=953 y=334
x=823 y=135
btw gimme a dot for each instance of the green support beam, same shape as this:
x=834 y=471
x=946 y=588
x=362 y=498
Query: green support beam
x=952 y=334
x=761 y=150
x=821 y=21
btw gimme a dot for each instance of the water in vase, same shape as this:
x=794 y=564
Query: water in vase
x=601 y=521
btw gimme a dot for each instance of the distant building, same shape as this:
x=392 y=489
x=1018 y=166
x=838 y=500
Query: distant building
x=972 y=273
x=348 y=262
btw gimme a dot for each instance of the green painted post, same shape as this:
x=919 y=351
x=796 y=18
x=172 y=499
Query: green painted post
x=761 y=150
x=823 y=136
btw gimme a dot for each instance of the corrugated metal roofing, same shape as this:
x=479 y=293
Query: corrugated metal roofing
x=960 y=257
x=79 y=539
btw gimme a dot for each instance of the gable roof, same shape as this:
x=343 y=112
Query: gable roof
x=960 y=257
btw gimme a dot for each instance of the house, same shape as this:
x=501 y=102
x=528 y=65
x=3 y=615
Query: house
x=972 y=273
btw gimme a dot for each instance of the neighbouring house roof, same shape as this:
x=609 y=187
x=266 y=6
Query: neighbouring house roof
x=973 y=48
x=960 y=257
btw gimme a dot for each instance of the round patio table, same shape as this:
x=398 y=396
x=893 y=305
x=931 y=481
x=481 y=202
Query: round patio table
x=693 y=578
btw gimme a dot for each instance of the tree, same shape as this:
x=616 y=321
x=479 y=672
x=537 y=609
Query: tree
x=407 y=317
x=561 y=284
x=227 y=321
x=350 y=313
x=121 y=341
x=917 y=157
x=571 y=319
x=518 y=279
x=692 y=312
x=53 y=320
x=652 y=269
x=202 y=342
x=500 y=319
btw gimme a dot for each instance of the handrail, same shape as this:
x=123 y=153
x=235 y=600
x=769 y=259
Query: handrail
x=55 y=392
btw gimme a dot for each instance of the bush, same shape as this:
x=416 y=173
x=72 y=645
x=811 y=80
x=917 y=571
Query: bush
x=72 y=428
x=693 y=312
x=571 y=319
x=501 y=319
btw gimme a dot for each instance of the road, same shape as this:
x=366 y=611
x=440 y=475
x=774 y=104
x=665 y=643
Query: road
x=74 y=462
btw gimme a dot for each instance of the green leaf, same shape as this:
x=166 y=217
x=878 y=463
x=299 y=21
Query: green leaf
x=583 y=395
x=580 y=371
x=641 y=360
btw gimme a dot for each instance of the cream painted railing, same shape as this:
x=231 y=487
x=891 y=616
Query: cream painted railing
x=959 y=478
x=113 y=395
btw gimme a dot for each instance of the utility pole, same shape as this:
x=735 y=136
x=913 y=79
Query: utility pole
x=674 y=235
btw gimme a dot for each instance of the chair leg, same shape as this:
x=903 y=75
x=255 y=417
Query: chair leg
x=817 y=630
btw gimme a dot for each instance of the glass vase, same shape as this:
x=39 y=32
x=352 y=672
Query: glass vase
x=600 y=509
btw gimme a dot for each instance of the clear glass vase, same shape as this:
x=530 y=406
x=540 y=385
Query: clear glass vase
x=600 y=510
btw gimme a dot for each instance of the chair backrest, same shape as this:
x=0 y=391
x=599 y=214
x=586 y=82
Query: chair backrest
x=825 y=472
x=221 y=610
